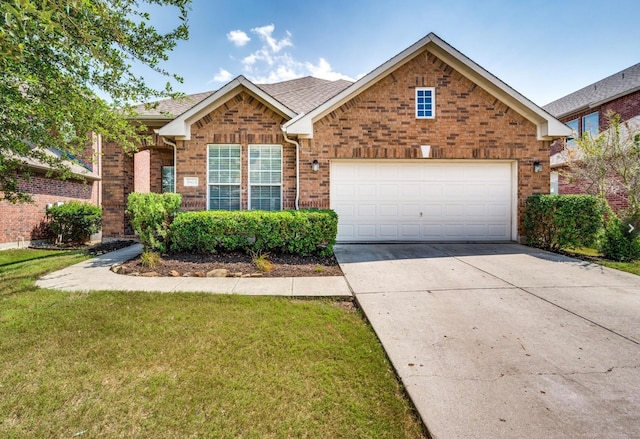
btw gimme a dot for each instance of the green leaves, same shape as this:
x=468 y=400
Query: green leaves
x=289 y=231
x=554 y=222
x=74 y=221
x=69 y=65
x=151 y=215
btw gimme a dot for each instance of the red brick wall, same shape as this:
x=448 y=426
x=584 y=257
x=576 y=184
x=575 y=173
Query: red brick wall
x=117 y=184
x=617 y=198
x=380 y=124
x=23 y=221
x=159 y=158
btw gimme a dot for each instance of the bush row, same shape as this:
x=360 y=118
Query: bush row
x=554 y=222
x=562 y=221
x=300 y=232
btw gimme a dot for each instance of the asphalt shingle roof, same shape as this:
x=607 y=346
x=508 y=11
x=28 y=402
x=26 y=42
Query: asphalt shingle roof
x=301 y=95
x=611 y=87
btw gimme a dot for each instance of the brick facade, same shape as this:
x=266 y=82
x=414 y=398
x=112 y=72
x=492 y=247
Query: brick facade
x=378 y=123
x=21 y=223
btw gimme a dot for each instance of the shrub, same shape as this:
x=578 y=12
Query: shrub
x=150 y=259
x=300 y=232
x=562 y=221
x=620 y=242
x=74 y=222
x=151 y=215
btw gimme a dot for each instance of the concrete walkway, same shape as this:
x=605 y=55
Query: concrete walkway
x=504 y=341
x=94 y=274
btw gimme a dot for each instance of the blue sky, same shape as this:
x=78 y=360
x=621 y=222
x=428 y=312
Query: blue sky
x=543 y=49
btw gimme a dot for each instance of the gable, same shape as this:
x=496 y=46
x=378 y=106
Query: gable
x=465 y=114
x=180 y=127
x=547 y=126
x=241 y=117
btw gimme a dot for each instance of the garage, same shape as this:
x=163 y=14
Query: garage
x=393 y=200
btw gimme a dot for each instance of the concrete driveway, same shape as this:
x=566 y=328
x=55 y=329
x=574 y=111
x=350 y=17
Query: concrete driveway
x=504 y=341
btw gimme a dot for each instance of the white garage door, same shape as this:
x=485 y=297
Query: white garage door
x=422 y=201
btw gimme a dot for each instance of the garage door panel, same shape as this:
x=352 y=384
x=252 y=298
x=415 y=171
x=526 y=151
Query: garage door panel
x=422 y=200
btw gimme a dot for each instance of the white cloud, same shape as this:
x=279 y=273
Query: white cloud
x=222 y=76
x=265 y=34
x=271 y=62
x=238 y=37
x=324 y=71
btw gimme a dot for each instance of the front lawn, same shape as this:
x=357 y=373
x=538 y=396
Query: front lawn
x=593 y=255
x=187 y=365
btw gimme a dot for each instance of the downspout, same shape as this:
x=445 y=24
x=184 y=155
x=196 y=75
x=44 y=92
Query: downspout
x=294 y=142
x=175 y=162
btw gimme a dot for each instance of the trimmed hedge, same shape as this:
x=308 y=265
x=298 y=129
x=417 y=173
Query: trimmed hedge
x=562 y=221
x=74 y=222
x=620 y=242
x=151 y=215
x=300 y=232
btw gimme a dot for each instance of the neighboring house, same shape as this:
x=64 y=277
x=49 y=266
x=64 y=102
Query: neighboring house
x=23 y=223
x=429 y=146
x=585 y=110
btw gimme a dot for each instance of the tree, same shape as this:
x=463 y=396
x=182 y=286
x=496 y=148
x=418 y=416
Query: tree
x=609 y=163
x=57 y=58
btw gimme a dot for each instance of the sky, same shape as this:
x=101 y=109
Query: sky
x=543 y=49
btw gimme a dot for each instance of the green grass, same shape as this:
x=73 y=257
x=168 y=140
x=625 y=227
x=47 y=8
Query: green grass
x=594 y=256
x=187 y=365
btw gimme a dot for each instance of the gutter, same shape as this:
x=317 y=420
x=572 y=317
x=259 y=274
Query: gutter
x=294 y=142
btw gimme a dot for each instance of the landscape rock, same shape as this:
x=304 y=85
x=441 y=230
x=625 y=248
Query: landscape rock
x=174 y=273
x=150 y=274
x=237 y=274
x=218 y=272
x=187 y=274
x=199 y=274
x=256 y=274
x=118 y=269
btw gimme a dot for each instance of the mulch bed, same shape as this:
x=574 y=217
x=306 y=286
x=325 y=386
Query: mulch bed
x=237 y=265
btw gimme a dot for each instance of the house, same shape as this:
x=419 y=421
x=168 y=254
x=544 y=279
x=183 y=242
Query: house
x=429 y=146
x=584 y=111
x=22 y=224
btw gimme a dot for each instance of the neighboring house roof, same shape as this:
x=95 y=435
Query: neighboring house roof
x=612 y=87
x=548 y=126
x=76 y=168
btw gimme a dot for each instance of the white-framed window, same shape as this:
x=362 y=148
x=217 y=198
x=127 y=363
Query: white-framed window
x=575 y=128
x=265 y=177
x=425 y=102
x=168 y=178
x=591 y=124
x=224 y=176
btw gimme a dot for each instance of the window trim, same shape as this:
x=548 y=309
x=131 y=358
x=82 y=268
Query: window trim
x=209 y=184
x=433 y=102
x=250 y=185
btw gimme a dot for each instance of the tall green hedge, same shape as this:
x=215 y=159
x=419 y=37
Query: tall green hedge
x=151 y=215
x=562 y=221
x=300 y=232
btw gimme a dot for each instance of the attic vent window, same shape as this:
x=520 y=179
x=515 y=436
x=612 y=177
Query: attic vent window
x=425 y=103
